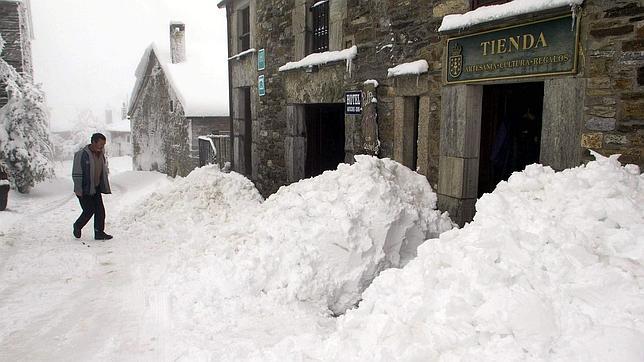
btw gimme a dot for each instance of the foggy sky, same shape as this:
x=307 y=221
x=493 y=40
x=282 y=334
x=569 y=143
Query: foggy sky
x=85 y=52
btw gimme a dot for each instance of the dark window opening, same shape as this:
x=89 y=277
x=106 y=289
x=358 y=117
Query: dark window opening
x=171 y=106
x=410 y=132
x=244 y=29
x=248 y=132
x=479 y=3
x=510 y=131
x=320 y=27
x=324 y=137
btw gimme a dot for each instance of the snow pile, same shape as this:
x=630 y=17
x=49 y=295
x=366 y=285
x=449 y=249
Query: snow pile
x=497 y=12
x=206 y=196
x=322 y=58
x=324 y=239
x=552 y=268
x=417 y=67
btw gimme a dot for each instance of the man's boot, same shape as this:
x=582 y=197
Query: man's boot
x=100 y=235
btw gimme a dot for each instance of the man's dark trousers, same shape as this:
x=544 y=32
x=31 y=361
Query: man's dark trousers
x=92 y=205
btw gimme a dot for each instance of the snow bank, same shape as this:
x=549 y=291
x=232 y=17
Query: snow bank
x=206 y=196
x=322 y=58
x=324 y=239
x=551 y=268
x=497 y=12
x=417 y=67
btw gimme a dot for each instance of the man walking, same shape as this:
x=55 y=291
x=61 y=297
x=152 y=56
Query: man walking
x=90 y=181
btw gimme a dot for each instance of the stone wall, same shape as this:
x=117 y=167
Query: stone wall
x=275 y=34
x=614 y=98
x=14 y=28
x=599 y=108
x=387 y=33
x=160 y=138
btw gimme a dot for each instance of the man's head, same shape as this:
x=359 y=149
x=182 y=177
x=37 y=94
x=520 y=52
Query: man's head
x=98 y=142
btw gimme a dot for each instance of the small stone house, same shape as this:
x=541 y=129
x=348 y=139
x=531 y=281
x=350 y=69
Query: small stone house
x=119 y=137
x=173 y=103
x=462 y=99
x=16 y=31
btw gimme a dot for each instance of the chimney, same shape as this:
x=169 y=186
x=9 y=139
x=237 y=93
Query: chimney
x=108 y=116
x=177 y=42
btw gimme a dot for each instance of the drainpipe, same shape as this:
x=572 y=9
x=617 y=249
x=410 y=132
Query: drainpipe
x=229 y=6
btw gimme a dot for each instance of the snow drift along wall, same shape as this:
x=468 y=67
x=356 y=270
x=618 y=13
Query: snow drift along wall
x=324 y=239
x=321 y=240
x=551 y=268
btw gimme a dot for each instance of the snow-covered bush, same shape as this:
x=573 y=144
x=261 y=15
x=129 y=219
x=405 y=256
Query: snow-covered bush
x=25 y=148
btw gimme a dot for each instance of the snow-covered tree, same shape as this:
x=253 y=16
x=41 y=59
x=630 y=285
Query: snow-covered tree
x=25 y=147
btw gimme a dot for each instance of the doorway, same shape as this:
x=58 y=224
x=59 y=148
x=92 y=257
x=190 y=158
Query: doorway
x=510 y=131
x=324 y=137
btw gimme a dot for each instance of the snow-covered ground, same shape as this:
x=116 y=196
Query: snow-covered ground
x=201 y=268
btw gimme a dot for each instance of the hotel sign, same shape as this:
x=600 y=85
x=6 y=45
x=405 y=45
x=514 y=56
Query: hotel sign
x=353 y=102
x=547 y=47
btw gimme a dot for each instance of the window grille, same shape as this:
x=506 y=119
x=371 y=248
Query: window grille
x=320 y=29
x=479 y=3
x=244 y=29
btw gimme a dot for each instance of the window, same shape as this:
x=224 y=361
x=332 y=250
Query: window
x=320 y=26
x=244 y=29
x=171 y=106
x=479 y=3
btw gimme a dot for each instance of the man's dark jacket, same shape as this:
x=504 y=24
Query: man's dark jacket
x=82 y=172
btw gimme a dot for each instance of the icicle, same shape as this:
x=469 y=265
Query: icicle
x=417 y=79
x=349 y=65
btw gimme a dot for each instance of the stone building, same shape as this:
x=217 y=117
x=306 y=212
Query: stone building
x=16 y=31
x=173 y=103
x=464 y=106
x=119 y=137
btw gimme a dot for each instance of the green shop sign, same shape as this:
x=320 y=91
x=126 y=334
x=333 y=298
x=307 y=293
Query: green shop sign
x=540 y=48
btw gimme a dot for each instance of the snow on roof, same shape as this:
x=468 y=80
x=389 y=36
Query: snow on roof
x=496 y=12
x=200 y=82
x=320 y=3
x=417 y=67
x=322 y=58
x=122 y=125
x=372 y=82
x=241 y=54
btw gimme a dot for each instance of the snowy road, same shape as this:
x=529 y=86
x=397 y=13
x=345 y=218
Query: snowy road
x=201 y=269
x=67 y=299
x=58 y=297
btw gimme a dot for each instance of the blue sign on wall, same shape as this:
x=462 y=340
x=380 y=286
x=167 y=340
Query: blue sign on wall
x=261 y=59
x=261 y=86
